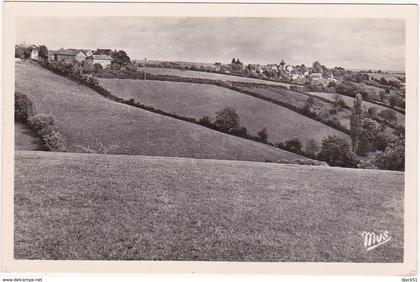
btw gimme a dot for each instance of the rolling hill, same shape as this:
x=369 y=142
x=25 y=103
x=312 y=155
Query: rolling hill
x=114 y=207
x=198 y=100
x=92 y=123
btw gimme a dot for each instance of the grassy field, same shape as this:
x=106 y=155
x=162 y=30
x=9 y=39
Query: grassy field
x=299 y=100
x=103 y=207
x=209 y=75
x=198 y=100
x=349 y=101
x=92 y=123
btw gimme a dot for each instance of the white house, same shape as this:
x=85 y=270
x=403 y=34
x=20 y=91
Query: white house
x=103 y=60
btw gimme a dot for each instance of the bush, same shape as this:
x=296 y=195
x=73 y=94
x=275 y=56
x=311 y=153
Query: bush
x=41 y=122
x=53 y=140
x=293 y=145
x=24 y=108
x=389 y=115
x=45 y=128
x=393 y=158
x=336 y=152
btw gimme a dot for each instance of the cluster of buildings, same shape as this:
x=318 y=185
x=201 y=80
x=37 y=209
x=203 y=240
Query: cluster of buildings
x=100 y=56
x=281 y=70
x=70 y=56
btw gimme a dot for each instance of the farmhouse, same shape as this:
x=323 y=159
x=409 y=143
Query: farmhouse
x=103 y=60
x=72 y=55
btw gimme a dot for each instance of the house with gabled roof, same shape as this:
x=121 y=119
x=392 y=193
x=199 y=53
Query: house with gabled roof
x=103 y=60
x=72 y=55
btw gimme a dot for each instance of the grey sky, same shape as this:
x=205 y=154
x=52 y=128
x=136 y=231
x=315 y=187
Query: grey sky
x=351 y=43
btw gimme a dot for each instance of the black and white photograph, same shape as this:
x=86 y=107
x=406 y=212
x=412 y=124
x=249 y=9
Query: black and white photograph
x=210 y=139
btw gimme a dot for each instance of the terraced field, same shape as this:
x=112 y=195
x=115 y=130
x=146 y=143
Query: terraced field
x=113 y=207
x=92 y=123
x=209 y=75
x=349 y=101
x=198 y=100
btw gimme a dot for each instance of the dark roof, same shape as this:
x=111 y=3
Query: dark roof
x=52 y=52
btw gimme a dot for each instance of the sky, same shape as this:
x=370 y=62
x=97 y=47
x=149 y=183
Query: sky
x=349 y=43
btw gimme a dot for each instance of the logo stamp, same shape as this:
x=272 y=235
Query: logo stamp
x=372 y=240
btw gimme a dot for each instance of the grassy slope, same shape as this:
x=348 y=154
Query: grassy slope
x=209 y=75
x=92 y=122
x=349 y=101
x=86 y=206
x=25 y=139
x=198 y=100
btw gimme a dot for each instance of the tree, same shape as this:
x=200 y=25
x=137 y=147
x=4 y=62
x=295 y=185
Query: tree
x=336 y=152
x=293 y=145
x=389 y=115
x=317 y=67
x=356 y=122
x=368 y=136
x=227 y=120
x=43 y=52
x=262 y=134
x=120 y=57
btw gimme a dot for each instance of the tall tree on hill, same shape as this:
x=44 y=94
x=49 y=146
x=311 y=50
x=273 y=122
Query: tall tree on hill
x=356 y=122
x=120 y=57
x=43 y=52
x=317 y=67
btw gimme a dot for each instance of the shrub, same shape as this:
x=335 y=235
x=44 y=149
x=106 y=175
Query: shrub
x=393 y=158
x=24 y=108
x=41 y=122
x=205 y=120
x=293 y=145
x=53 y=140
x=262 y=134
